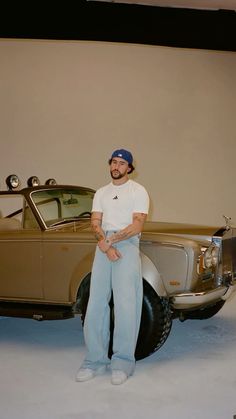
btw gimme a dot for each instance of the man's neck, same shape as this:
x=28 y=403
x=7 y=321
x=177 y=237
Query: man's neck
x=118 y=182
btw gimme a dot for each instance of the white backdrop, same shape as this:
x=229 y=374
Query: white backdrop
x=66 y=105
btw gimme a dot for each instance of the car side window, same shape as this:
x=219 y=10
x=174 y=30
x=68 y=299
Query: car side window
x=11 y=212
x=29 y=221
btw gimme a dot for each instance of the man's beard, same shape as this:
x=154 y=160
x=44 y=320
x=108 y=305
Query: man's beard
x=118 y=175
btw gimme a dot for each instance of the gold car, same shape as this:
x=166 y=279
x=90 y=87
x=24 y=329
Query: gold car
x=47 y=249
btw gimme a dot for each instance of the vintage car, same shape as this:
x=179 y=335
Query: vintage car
x=47 y=249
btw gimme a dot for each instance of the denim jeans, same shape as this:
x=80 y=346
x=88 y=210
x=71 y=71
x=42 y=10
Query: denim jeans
x=122 y=277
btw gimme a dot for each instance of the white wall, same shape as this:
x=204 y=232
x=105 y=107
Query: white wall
x=66 y=105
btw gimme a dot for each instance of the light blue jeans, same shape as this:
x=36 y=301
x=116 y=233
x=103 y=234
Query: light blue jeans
x=122 y=277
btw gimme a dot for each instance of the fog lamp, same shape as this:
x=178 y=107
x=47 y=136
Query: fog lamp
x=12 y=182
x=50 y=181
x=33 y=181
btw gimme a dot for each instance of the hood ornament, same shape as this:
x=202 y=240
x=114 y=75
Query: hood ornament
x=227 y=222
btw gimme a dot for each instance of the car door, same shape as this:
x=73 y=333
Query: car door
x=67 y=258
x=20 y=256
x=20 y=265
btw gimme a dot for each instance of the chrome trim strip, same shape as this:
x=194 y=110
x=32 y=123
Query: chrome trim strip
x=21 y=240
x=143 y=241
x=38 y=301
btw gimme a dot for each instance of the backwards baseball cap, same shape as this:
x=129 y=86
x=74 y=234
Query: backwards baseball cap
x=123 y=154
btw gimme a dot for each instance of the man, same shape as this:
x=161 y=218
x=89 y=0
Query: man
x=118 y=214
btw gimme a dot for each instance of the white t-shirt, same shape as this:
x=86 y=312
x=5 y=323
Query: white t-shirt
x=118 y=203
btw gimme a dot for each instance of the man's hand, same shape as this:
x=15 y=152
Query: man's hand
x=104 y=245
x=113 y=254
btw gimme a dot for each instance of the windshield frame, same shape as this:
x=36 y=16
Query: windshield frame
x=77 y=190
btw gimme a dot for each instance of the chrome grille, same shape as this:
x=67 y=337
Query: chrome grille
x=229 y=256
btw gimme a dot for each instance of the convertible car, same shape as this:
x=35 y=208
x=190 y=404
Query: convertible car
x=47 y=248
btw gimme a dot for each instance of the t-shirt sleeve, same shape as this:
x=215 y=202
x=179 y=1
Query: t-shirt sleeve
x=96 y=207
x=141 y=200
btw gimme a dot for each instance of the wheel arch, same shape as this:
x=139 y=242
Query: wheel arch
x=83 y=293
x=151 y=275
x=81 y=271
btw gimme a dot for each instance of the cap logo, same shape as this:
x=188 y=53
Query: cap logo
x=124 y=154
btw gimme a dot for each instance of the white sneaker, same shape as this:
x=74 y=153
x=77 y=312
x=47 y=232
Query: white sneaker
x=85 y=374
x=118 y=377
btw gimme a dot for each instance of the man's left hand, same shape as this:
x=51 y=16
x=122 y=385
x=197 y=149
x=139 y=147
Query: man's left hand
x=113 y=254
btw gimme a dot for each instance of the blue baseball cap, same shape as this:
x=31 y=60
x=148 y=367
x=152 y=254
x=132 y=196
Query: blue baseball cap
x=123 y=154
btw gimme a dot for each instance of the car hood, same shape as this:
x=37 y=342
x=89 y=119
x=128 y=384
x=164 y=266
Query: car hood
x=191 y=231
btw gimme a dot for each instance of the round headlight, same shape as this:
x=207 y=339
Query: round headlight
x=215 y=255
x=12 y=182
x=211 y=256
x=50 y=182
x=33 y=181
x=208 y=258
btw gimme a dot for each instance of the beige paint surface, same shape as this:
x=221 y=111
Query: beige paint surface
x=66 y=105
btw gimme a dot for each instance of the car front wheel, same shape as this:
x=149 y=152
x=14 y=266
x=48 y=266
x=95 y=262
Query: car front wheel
x=156 y=322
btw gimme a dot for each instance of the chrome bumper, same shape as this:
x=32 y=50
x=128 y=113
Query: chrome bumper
x=188 y=300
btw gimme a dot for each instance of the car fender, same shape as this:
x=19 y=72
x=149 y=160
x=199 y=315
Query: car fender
x=152 y=276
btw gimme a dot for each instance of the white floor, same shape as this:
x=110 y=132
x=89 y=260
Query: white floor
x=193 y=376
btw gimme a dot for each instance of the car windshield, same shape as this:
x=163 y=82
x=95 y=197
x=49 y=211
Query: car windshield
x=58 y=206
